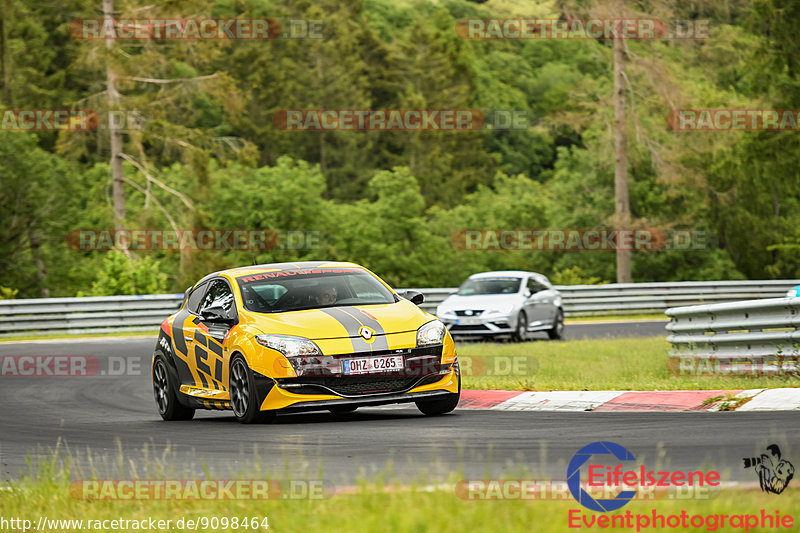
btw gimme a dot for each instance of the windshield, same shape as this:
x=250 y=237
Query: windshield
x=295 y=290
x=489 y=286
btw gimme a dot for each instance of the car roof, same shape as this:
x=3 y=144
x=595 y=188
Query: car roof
x=276 y=267
x=504 y=274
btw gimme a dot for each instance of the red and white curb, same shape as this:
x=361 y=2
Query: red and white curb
x=682 y=400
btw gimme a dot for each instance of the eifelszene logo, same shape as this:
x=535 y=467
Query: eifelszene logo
x=574 y=476
x=774 y=473
x=617 y=477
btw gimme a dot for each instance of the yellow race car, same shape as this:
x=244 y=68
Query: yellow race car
x=288 y=337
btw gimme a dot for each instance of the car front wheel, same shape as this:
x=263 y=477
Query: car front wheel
x=244 y=400
x=521 y=332
x=442 y=406
x=557 y=331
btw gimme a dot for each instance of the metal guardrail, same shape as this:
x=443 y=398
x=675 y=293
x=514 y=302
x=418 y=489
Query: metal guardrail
x=621 y=298
x=752 y=329
x=143 y=313
x=96 y=314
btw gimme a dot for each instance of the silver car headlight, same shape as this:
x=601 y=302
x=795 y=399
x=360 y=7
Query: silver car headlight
x=288 y=345
x=431 y=333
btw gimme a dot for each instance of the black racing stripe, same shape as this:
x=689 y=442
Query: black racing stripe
x=199 y=337
x=202 y=364
x=352 y=326
x=215 y=347
x=203 y=380
x=218 y=372
x=380 y=343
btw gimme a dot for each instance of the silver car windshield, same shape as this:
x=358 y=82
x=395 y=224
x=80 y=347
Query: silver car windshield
x=489 y=286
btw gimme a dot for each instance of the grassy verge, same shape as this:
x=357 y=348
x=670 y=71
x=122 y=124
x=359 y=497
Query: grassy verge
x=615 y=318
x=601 y=364
x=378 y=510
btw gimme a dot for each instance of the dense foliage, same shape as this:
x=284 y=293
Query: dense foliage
x=206 y=153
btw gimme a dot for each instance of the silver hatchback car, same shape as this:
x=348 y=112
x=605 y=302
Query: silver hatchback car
x=509 y=302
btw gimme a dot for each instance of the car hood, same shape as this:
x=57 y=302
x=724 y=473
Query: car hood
x=343 y=322
x=478 y=301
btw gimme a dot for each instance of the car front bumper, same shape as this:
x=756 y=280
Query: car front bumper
x=286 y=396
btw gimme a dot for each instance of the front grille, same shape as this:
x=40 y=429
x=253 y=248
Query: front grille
x=411 y=352
x=472 y=312
x=351 y=386
x=476 y=327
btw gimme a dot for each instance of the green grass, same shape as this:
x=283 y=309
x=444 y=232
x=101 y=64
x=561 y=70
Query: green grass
x=615 y=318
x=598 y=364
x=375 y=504
x=372 y=510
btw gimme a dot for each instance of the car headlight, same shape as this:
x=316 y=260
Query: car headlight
x=431 y=333
x=289 y=346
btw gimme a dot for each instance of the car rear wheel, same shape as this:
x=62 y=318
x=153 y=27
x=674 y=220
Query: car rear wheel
x=164 y=391
x=557 y=331
x=442 y=406
x=521 y=332
x=244 y=400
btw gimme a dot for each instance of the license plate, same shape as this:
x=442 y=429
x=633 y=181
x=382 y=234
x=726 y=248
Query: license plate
x=468 y=321
x=366 y=365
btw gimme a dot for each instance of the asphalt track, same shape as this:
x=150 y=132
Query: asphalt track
x=103 y=414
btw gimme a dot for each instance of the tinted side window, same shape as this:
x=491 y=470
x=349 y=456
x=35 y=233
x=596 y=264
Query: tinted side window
x=219 y=294
x=195 y=297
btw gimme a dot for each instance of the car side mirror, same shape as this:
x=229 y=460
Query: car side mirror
x=528 y=293
x=415 y=297
x=215 y=313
